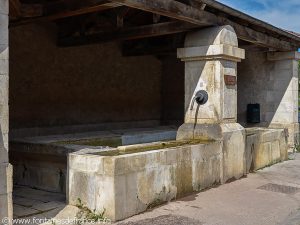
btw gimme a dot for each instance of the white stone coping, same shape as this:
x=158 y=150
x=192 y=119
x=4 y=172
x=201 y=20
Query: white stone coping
x=90 y=161
x=211 y=52
x=277 y=56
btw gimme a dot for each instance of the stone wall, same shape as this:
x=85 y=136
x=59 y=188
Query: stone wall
x=255 y=85
x=266 y=82
x=5 y=167
x=172 y=90
x=272 y=81
x=265 y=147
x=52 y=86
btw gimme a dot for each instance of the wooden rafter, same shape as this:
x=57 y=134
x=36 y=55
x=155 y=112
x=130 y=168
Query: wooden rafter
x=132 y=33
x=14 y=8
x=58 y=10
x=181 y=11
x=163 y=45
x=247 y=34
x=190 y=11
x=172 y=9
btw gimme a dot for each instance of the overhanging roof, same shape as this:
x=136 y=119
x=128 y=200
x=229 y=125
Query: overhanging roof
x=254 y=21
x=140 y=19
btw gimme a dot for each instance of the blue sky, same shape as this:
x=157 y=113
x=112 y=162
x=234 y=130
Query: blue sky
x=281 y=13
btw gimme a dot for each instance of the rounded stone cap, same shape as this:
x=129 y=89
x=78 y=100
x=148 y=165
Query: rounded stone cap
x=212 y=36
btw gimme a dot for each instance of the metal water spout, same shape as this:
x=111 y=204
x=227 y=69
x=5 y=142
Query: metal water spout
x=201 y=97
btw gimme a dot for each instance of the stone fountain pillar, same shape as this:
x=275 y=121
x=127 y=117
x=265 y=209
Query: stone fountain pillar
x=211 y=56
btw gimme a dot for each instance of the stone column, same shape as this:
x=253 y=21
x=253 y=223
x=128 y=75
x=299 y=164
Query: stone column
x=284 y=72
x=5 y=167
x=211 y=57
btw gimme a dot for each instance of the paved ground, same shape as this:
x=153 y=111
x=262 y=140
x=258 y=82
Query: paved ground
x=35 y=203
x=268 y=197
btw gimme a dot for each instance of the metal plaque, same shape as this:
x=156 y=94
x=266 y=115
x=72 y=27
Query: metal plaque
x=230 y=80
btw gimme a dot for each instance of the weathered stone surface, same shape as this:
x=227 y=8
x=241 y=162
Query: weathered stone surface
x=6 y=178
x=5 y=168
x=6 y=206
x=292 y=130
x=4 y=29
x=265 y=147
x=4 y=7
x=3 y=147
x=39 y=165
x=209 y=56
x=41 y=161
x=251 y=145
x=142 y=180
x=207 y=61
x=189 y=131
x=129 y=184
x=233 y=151
x=273 y=83
x=50 y=176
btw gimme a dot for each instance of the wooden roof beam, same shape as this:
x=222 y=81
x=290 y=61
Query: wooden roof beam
x=193 y=15
x=258 y=38
x=132 y=33
x=14 y=8
x=57 y=10
x=172 y=9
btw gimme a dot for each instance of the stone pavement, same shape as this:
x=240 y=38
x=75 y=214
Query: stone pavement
x=30 y=202
x=268 y=197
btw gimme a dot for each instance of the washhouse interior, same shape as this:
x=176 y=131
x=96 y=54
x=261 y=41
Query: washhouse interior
x=65 y=99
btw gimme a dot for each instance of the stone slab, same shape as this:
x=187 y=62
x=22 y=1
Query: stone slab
x=22 y=211
x=44 y=207
x=27 y=202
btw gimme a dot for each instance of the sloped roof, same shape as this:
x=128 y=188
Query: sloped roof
x=256 y=23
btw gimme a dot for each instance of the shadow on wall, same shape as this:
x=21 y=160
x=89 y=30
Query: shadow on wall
x=51 y=86
x=172 y=90
x=266 y=83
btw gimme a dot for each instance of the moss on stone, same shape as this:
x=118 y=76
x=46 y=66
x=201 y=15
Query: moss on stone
x=111 y=142
x=150 y=147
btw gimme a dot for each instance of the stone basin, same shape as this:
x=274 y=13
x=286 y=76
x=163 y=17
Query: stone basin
x=127 y=183
x=41 y=162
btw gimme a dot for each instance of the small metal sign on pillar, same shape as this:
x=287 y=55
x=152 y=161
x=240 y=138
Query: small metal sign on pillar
x=230 y=80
